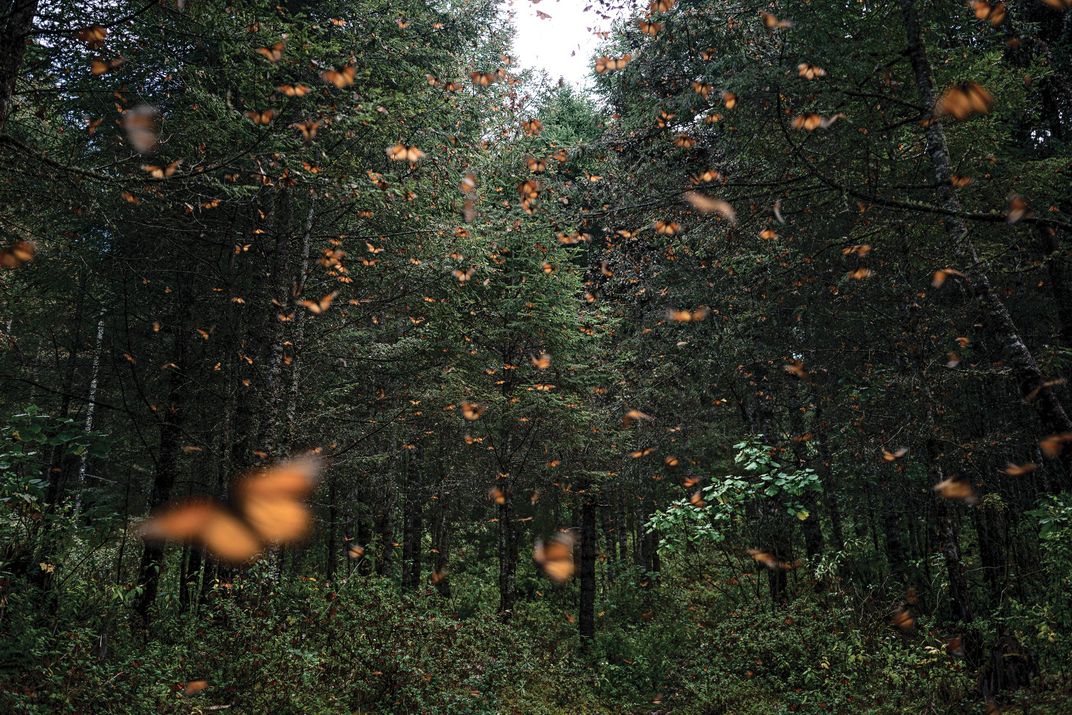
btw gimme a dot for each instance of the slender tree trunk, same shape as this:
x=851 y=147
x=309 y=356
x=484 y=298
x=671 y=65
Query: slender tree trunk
x=330 y=529
x=279 y=291
x=300 y=276
x=152 y=557
x=91 y=404
x=412 y=524
x=825 y=470
x=16 y=22
x=893 y=534
x=507 y=548
x=385 y=529
x=441 y=545
x=587 y=616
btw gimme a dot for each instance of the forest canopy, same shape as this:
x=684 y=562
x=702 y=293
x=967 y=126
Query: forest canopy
x=350 y=365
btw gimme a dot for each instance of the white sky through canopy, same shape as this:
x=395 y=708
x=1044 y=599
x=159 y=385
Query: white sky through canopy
x=563 y=45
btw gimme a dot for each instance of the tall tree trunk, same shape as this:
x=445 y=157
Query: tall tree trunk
x=301 y=274
x=331 y=529
x=893 y=533
x=508 y=550
x=441 y=544
x=825 y=470
x=152 y=555
x=385 y=529
x=1050 y=411
x=279 y=289
x=586 y=619
x=91 y=404
x=16 y=22
x=412 y=523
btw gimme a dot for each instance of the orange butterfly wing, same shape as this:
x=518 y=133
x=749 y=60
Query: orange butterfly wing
x=272 y=500
x=199 y=521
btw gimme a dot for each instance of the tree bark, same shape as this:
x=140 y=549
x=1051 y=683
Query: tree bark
x=441 y=544
x=586 y=619
x=412 y=524
x=508 y=550
x=16 y=22
x=152 y=555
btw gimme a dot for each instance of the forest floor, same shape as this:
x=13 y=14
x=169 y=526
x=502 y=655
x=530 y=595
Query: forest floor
x=358 y=645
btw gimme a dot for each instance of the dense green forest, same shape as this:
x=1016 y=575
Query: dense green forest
x=348 y=367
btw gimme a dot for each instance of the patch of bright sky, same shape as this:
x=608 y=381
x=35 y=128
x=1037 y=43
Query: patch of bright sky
x=561 y=45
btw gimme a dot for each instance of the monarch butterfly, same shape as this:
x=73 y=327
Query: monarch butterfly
x=1052 y=445
x=661 y=5
x=796 y=369
x=267 y=508
x=17 y=253
x=262 y=117
x=483 y=79
x=99 y=66
x=541 y=361
x=608 y=64
x=556 y=557
x=708 y=204
x=994 y=14
x=684 y=141
x=810 y=71
x=307 y=128
x=963 y=100
x=649 y=28
x=532 y=127
x=707 y=176
x=536 y=166
x=667 y=228
x=941 y=274
x=165 y=172
x=702 y=88
x=529 y=190
x=339 y=78
x=317 y=307
x=572 y=239
x=769 y=560
x=1019 y=470
x=93 y=36
x=294 y=90
x=272 y=54
x=772 y=23
x=953 y=488
x=633 y=416
x=729 y=100
x=401 y=152
x=688 y=316
x=768 y=234
x=472 y=411
x=904 y=621
x=811 y=122
x=463 y=276
x=1017 y=209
